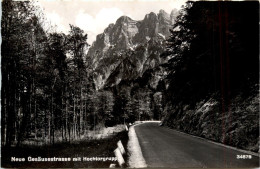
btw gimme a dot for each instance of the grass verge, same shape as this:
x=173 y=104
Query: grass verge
x=93 y=148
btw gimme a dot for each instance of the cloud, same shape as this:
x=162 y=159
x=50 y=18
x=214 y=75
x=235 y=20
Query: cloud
x=97 y=24
x=85 y=21
x=93 y=16
x=56 y=20
x=107 y=16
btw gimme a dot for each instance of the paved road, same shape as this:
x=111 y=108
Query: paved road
x=163 y=147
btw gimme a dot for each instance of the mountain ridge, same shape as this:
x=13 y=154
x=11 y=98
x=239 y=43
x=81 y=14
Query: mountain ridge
x=129 y=38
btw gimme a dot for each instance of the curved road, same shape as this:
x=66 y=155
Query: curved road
x=163 y=147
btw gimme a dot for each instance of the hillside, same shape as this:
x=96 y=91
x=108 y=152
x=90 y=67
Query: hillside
x=128 y=48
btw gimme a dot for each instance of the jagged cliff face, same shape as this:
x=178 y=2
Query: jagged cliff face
x=126 y=49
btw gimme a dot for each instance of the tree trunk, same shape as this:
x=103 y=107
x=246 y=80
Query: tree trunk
x=81 y=110
x=49 y=121
x=74 y=117
x=66 y=119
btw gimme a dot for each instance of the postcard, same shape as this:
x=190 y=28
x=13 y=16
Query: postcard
x=129 y=84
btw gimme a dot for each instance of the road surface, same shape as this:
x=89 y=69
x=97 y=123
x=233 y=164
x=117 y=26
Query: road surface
x=163 y=147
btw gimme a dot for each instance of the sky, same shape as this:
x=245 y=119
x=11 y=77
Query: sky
x=93 y=16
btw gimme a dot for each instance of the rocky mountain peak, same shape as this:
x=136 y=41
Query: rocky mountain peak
x=163 y=13
x=107 y=52
x=150 y=16
x=123 y=19
x=164 y=18
x=109 y=28
x=174 y=14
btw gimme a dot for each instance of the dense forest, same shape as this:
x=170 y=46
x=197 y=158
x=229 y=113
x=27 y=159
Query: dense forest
x=49 y=92
x=214 y=74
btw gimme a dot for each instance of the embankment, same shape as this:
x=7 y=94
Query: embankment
x=236 y=125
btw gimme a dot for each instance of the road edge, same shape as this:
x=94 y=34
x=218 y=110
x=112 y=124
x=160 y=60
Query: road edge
x=217 y=143
x=136 y=159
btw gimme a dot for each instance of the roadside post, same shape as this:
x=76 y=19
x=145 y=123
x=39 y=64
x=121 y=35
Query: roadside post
x=121 y=147
x=119 y=157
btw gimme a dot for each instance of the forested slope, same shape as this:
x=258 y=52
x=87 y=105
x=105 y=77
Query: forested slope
x=213 y=82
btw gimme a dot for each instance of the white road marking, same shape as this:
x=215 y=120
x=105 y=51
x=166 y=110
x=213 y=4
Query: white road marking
x=136 y=159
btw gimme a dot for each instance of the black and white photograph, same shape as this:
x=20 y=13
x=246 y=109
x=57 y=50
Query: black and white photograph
x=129 y=84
